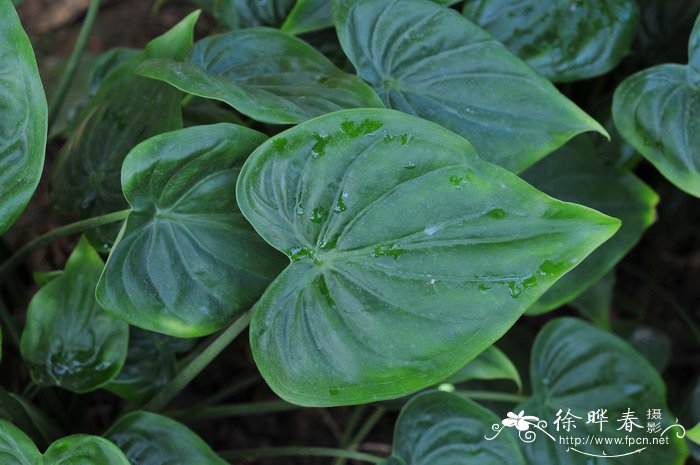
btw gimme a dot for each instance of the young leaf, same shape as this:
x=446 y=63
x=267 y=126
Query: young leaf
x=265 y=74
x=576 y=174
x=23 y=118
x=564 y=40
x=16 y=448
x=443 y=428
x=151 y=439
x=658 y=112
x=150 y=364
x=406 y=247
x=432 y=62
x=490 y=364
x=127 y=110
x=186 y=262
x=69 y=341
x=579 y=367
x=240 y=14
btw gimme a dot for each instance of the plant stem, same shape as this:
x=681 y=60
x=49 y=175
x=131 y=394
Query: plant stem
x=234 y=410
x=300 y=452
x=78 y=226
x=352 y=423
x=186 y=100
x=363 y=431
x=497 y=396
x=72 y=65
x=194 y=365
x=226 y=392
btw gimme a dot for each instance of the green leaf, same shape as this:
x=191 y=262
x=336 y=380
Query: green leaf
x=490 y=364
x=694 y=434
x=16 y=448
x=151 y=439
x=564 y=40
x=577 y=174
x=186 y=262
x=127 y=110
x=25 y=416
x=69 y=341
x=443 y=428
x=658 y=112
x=23 y=118
x=596 y=301
x=579 y=367
x=405 y=246
x=309 y=15
x=653 y=344
x=150 y=365
x=432 y=62
x=265 y=74
x=240 y=14
x=312 y=15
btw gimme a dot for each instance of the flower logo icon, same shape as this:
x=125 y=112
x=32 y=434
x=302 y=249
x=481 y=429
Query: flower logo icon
x=521 y=421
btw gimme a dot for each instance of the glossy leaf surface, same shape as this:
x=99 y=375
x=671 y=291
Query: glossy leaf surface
x=127 y=110
x=576 y=173
x=564 y=40
x=240 y=14
x=490 y=364
x=16 y=448
x=405 y=246
x=186 y=262
x=23 y=118
x=579 y=367
x=432 y=62
x=443 y=428
x=151 y=439
x=69 y=341
x=658 y=112
x=265 y=74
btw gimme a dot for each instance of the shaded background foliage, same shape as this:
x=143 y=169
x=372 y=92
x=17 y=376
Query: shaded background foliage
x=655 y=282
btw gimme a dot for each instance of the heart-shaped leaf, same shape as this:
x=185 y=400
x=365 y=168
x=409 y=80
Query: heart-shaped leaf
x=490 y=364
x=564 y=40
x=265 y=74
x=150 y=364
x=240 y=14
x=17 y=449
x=658 y=112
x=432 y=62
x=151 y=439
x=445 y=429
x=23 y=118
x=579 y=367
x=406 y=247
x=69 y=341
x=576 y=174
x=596 y=302
x=127 y=110
x=186 y=262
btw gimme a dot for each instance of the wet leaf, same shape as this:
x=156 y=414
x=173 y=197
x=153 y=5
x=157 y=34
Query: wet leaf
x=265 y=74
x=577 y=174
x=23 y=118
x=406 y=247
x=432 y=62
x=564 y=40
x=186 y=262
x=69 y=341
